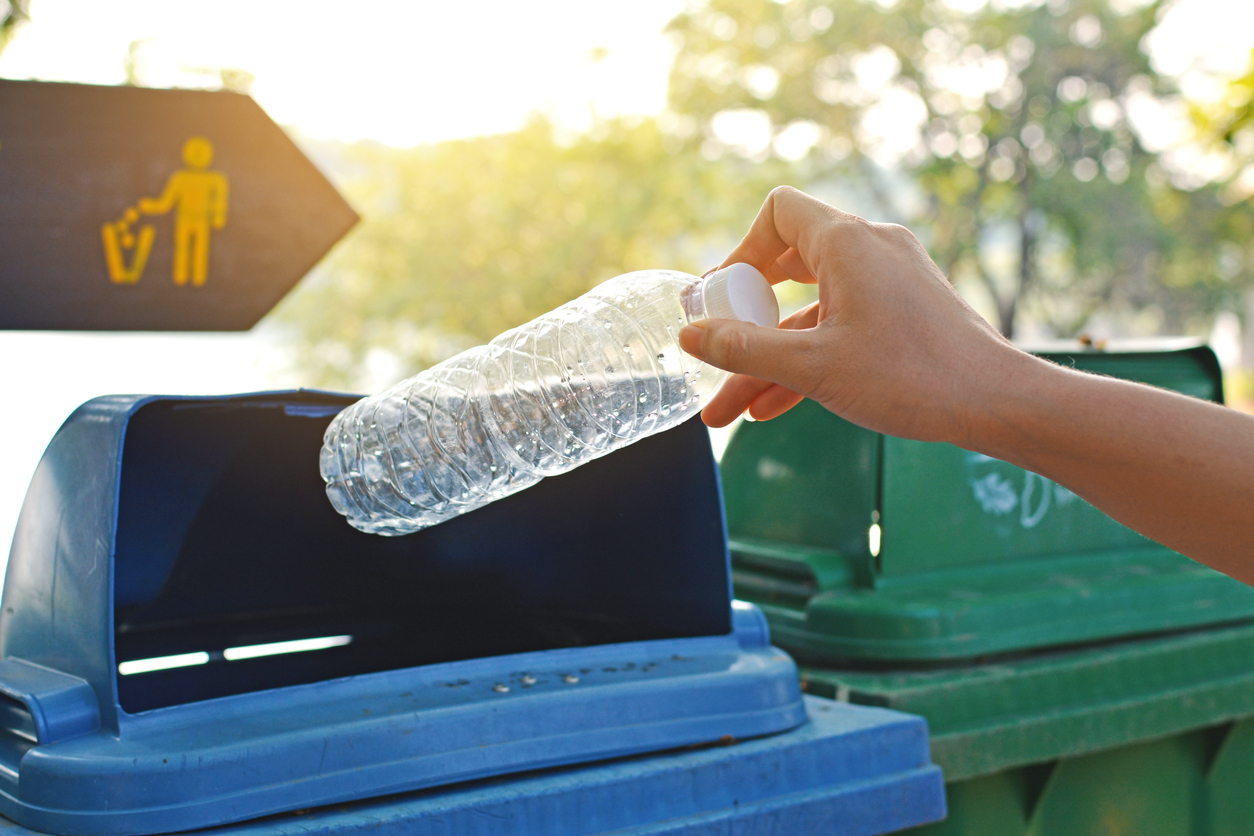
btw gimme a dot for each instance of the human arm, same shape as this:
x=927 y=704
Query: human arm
x=218 y=200
x=163 y=204
x=891 y=346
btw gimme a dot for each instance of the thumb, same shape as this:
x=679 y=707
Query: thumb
x=777 y=355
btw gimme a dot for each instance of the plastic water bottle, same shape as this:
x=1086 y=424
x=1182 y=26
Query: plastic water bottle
x=592 y=376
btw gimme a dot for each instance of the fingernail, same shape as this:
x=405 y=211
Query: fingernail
x=690 y=339
x=745 y=415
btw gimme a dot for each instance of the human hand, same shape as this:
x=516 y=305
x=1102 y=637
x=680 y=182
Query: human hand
x=889 y=345
x=892 y=347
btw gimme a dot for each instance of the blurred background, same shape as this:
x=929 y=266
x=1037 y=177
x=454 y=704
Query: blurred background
x=1079 y=168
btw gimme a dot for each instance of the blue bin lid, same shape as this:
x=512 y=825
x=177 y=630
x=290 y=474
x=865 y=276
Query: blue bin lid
x=191 y=635
x=851 y=771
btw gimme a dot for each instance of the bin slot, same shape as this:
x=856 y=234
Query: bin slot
x=225 y=539
x=16 y=720
x=17 y=736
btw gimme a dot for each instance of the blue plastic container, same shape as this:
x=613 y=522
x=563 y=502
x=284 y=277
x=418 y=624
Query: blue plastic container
x=850 y=771
x=191 y=636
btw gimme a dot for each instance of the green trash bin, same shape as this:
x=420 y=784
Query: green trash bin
x=1077 y=677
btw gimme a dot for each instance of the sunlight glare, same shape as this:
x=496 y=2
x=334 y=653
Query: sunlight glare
x=398 y=73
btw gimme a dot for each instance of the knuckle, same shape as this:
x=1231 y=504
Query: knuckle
x=814 y=369
x=895 y=234
x=863 y=237
x=854 y=233
x=730 y=346
x=782 y=193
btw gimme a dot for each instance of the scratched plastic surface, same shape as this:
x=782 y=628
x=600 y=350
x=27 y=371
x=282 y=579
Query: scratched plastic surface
x=588 y=378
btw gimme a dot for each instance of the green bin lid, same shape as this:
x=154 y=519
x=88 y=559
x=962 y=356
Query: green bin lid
x=861 y=546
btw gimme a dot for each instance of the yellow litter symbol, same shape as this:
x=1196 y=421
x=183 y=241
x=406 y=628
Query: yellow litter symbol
x=198 y=198
x=119 y=239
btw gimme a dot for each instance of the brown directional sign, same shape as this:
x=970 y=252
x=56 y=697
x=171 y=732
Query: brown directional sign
x=131 y=209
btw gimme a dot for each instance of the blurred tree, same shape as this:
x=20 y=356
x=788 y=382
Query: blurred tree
x=235 y=79
x=133 y=62
x=1225 y=125
x=136 y=69
x=463 y=240
x=1020 y=122
x=13 y=13
x=1225 y=136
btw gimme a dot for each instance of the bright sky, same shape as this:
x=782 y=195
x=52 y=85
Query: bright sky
x=398 y=72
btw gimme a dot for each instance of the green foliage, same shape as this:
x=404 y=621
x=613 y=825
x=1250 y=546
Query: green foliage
x=1226 y=126
x=1016 y=162
x=1234 y=113
x=13 y=13
x=1036 y=190
x=463 y=240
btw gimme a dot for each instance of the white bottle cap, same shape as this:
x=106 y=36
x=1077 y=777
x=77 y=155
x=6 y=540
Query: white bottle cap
x=739 y=291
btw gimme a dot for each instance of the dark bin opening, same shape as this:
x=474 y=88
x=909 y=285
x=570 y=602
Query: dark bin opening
x=227 y=550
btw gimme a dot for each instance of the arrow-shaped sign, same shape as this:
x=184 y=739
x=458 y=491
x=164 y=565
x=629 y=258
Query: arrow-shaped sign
x=131 y=209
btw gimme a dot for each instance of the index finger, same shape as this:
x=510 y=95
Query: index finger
x=788 y=220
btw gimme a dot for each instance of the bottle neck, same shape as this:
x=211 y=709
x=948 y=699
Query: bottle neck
x=692 y=299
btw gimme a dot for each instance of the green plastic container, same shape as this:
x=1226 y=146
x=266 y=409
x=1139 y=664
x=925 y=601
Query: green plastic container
x=863 y=547
x=1077 y=678
x=1141 y=736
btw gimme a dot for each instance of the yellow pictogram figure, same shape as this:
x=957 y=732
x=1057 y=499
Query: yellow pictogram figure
x=198 y=198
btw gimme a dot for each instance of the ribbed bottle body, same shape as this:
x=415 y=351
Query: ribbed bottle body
x=581 y=381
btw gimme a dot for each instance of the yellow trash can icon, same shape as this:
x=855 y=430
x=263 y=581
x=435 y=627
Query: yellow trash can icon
x=198 y=198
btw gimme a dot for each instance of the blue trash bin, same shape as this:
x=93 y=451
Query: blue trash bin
x=192 y=637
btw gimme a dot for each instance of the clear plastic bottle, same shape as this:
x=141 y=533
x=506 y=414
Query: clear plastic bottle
x=592 y=376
